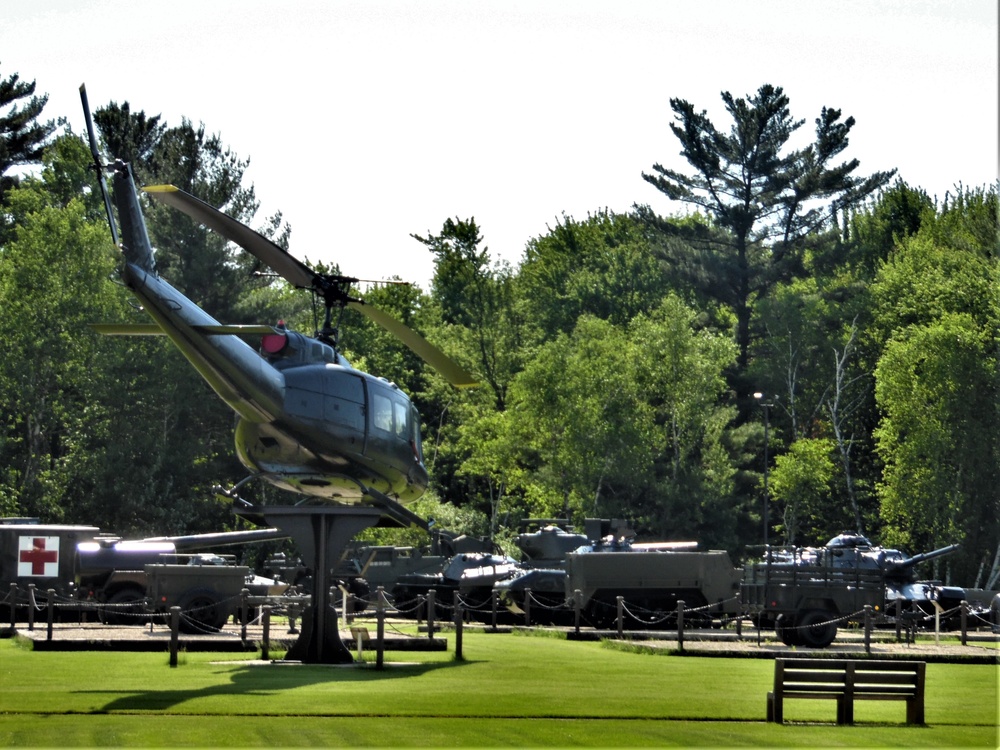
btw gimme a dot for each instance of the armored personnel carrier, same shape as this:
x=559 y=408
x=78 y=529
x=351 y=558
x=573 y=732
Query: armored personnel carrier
x=651 y=583
x=650 y=577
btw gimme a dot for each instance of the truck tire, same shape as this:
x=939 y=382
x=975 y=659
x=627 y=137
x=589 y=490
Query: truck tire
x=817 y=628
x=126 y=606
x=202 y=611
x=786 y=630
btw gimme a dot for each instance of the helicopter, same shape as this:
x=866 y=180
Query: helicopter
x=307 y=421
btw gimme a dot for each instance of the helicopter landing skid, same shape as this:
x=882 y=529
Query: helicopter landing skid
x=321 y=534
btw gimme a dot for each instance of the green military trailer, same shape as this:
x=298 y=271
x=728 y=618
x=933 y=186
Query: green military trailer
x=804 y=596
x=206 y=588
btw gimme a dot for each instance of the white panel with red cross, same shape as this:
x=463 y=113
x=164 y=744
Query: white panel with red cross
x=38 y=556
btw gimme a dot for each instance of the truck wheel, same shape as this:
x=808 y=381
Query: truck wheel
x=818 y=628
x=201 y=611
x=126 y=606
x=784 y=628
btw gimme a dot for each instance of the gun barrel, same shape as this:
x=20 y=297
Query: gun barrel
x=924 y=556
x=220 y=539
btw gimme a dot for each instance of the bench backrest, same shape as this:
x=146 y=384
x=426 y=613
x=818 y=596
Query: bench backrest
x=863 y=676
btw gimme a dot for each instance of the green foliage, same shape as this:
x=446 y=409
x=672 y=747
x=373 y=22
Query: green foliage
x=620 y=423
x=51 y=385
x=800 y=483
x=601 y=266
x=448 y=517
x=938 y=387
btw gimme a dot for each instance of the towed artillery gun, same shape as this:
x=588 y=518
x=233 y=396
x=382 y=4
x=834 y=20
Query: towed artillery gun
x=803 y=592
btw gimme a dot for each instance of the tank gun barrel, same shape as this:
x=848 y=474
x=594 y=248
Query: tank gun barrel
x=909 y=562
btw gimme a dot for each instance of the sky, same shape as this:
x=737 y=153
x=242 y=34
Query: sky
x=368 y=121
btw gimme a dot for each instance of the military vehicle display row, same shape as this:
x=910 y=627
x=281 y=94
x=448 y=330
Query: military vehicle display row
x=803 y=593
x=122 y=581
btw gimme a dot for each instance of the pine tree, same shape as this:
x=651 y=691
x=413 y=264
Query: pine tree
x=22 y=136
x=765 y=198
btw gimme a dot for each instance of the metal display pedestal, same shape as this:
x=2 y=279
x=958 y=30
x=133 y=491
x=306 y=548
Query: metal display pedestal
x=321 y=534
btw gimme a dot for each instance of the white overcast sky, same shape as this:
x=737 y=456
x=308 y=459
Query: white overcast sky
x=366 y=121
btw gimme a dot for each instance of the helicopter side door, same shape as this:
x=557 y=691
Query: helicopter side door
x=394 y=431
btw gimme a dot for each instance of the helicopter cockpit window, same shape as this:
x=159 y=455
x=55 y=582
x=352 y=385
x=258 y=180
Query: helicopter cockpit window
x=382 y=412
x=391 y=415
x=401 y=412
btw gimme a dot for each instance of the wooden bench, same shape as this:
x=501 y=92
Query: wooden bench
x=847 y=681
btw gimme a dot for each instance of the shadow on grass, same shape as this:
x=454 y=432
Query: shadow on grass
x=263 y=680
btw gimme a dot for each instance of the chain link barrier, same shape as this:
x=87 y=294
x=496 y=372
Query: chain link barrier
x=607 y=614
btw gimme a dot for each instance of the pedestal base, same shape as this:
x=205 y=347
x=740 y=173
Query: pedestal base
x=321 y=534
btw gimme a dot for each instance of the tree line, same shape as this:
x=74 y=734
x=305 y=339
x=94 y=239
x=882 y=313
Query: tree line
x=618 y=360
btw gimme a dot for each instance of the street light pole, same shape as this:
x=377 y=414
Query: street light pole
x=765 y=406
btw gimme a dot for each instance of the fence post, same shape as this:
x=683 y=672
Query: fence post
x=244 y=612
x=965 y=620
x=13 y=606
x=457 y=602
x=620 y=615
x=868 y=628
x=430 y=614
x=680 y=625
x=899 y=618
x=493 y=607
x=739 y=615
x=31 y=607
x=175 y=626
x=527 y=608
x=577 y=596
x=265 y=645
x=380 y=608
x=51 y=611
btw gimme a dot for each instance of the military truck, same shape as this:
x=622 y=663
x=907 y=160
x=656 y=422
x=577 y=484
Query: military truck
x=804 y=592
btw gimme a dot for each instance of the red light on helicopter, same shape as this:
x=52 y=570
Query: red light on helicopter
x=273 y=343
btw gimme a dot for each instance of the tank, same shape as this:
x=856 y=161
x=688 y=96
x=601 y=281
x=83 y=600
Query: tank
x=548 y=595
x=849 y=551
x=472 y=575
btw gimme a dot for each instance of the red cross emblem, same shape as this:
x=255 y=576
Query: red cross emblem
x=38 y=556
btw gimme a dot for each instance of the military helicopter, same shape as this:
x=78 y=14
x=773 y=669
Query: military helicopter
x=307 y=421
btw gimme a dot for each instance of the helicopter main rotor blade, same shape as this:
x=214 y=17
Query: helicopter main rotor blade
x=293 y=270
x=451 y=370
x=152 y=329
x=99 y=168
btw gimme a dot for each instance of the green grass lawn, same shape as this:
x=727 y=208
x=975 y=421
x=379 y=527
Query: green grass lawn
x=509 y=690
